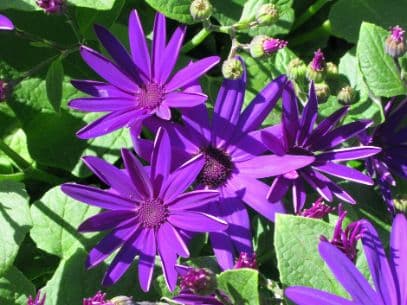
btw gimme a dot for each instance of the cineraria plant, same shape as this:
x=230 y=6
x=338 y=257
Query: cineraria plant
x=203 y=152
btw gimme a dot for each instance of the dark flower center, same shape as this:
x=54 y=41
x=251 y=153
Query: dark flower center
x=217 y=169
x=150 y=96
x=152 y=213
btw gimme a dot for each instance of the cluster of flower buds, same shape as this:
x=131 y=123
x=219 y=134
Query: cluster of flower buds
x=200 y=281
x=52 y=6
x=246 y=260
x=201 y=9
x=395 y=44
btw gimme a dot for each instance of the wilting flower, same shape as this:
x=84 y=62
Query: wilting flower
x=246 y=260
x=346 y=240
x=318 y=210
x=263 y=45
x=299 y=136
x=138 y=86
x=52 y=6
x=199 y=281
x=391 y=137
x=98 y=299
x=389 y=276
x=38 y=300
x=146 y=211
x=231 y=146
x=395 y=44
x=5 y=23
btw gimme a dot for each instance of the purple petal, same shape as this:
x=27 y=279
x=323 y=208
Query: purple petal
x=311 y=296
x=170 y=55
x=342 y=171
x=352 y=153
x=318 y=182
x=108 y=123
x=197 y=120
x=227 y=110
x=99 y=89
x=378 y=264
x=138 y=45
x=109 y=244
x=309 y=116
x=223 y=249
x=107 y=70
x=273 y=165
x=160 y=160
x=184 y=99
x=105 y=221
x=97 y=197
x=193 y=200
x=290 y=121
x=6 y=23
x=247 y=146
x=182 y=178
x=125 y=257
x=146 y=261
x=299 y=195
x=273 y=138
x=341 y=193
x=163 y=112
x=142 y=147
x=196 y=221
x=340 y=135
x=253 y=193
x=348 y=275
x=278 y=189
x=191 y=72
x=168 y=259
x=113 y=177
x=260 y=107
x=137 y=174
x=398 y=246
x=102 y=104
x=158 y=45
x=175 y=239
x=327 y=125
x=118 y=53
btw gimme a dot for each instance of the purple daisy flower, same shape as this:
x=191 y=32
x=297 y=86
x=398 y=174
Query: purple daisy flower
x=299 y=136
x=389 y=276
x=146 y=211
x=137 y=86
x=5 y=23
x=230 y=143
x=391 y=137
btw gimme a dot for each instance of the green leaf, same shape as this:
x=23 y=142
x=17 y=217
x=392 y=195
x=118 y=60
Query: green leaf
x=378 y=68
x=174 y=9
x=56 y=218
x=296 y=244
x=54 y=79
x=23 y=5
x=242 y=285
x=95 y=4
x=14 y=221
x=15 y=288
x=71 y=282
x=346 y=16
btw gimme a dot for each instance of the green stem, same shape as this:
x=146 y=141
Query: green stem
x=196 y=40
x=18 y=177
x=75 y=28
x=311 y=11
x=324 y=29
x=31 y=37
x=27 y=169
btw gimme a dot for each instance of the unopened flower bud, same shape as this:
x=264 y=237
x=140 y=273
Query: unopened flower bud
x=3 y=90
x=263 y=46
x=201 y=9
x=401 y=204
x=346 y=95
x=331 y=69
x=395 y=44
x=267 y=14
x=199 y=281
x=246 y=260
x=122 y=300
x=232 y=68
x=297 y=69
x=52 y=6
x=317 y=67
x=322 y=90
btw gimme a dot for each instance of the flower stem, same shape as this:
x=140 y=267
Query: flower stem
x=196 y=40
x=324 y=29
x=28 y=170
x=33 y=38
x=311 y=11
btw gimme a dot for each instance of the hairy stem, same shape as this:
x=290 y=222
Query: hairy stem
x=311 y=11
